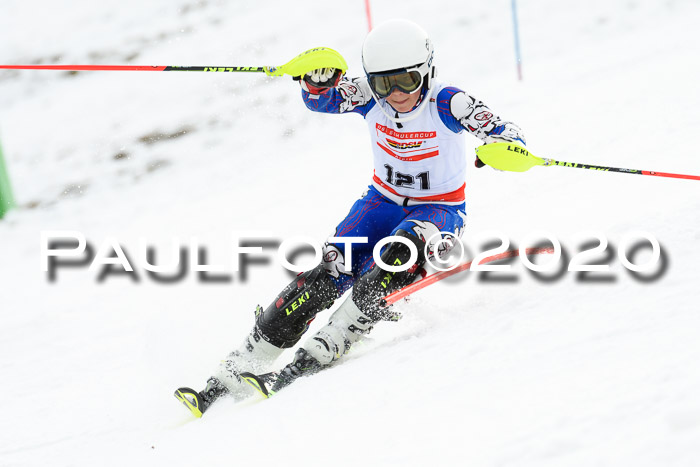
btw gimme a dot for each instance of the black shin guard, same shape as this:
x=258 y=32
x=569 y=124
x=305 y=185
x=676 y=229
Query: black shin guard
x=284 y=322
x=377 y=283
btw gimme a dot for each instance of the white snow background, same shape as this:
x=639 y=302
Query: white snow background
x=483 y=373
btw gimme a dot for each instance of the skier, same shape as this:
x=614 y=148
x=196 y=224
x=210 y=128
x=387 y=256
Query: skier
x=417 y=127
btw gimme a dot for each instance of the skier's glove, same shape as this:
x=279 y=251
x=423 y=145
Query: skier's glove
x=506 y=133
x=320 y=80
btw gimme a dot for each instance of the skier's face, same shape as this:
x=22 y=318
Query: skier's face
x=402 y=102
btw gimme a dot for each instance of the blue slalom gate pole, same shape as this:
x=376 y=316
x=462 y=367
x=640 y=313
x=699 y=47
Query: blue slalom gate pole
x=516 y=34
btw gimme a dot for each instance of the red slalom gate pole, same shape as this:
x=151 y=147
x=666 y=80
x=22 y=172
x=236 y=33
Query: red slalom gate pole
x=438 y=276
x=368 y=11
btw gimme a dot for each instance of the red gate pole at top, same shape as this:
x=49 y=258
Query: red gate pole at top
x=368 y=11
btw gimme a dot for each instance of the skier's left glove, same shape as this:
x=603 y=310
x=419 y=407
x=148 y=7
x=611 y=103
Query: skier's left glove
x=320 y=80
x=506 y=133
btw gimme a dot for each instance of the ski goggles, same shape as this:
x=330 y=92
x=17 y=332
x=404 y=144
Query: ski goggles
x=408 y=81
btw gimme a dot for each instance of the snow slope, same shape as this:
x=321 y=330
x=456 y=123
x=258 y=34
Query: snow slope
x=479 y=372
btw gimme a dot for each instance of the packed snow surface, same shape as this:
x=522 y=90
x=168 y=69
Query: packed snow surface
x=575 y=371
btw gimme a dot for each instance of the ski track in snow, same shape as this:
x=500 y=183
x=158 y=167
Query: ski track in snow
x=523 y=373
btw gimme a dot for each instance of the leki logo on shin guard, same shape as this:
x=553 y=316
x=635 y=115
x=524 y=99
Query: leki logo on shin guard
x=297 y=303
x=389 y=275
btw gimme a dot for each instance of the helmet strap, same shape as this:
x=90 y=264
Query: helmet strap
x=431 y=75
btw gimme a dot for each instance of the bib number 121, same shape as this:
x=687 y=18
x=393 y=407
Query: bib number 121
x=407 y=181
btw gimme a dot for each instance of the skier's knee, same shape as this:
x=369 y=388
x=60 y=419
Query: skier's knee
x=399 y=253
x=288 y=317
x=377 y=282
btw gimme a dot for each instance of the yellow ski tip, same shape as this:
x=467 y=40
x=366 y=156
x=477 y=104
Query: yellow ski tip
x=181 y=395
x=258 y=385
x=510 y=157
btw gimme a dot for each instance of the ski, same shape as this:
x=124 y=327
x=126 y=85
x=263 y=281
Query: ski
x=261 y=383
x=269 y=384
x=192 y=400
x=199 y=402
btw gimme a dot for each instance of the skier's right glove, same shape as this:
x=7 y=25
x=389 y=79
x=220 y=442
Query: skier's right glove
x=320 y=80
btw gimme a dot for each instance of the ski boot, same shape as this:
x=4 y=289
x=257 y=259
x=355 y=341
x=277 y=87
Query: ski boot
x=346 y=326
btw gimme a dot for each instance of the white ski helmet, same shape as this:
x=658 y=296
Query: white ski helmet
x=398 y=44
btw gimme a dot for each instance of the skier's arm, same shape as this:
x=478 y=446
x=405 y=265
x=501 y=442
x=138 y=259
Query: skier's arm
x=349 y=95
x=460 y=111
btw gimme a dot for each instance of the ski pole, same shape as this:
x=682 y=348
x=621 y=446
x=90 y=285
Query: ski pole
x=319 y=57
x=513 y=158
